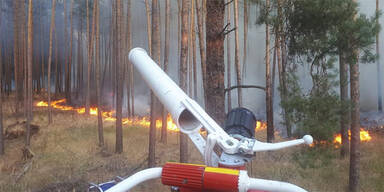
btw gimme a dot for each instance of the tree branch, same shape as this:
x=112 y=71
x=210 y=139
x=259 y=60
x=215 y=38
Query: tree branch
x=228 y=31
x=243 y=86
x=227 y=3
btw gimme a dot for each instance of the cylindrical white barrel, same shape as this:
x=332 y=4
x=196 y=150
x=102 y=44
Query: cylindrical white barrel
x=137 y=178
x=168 y=92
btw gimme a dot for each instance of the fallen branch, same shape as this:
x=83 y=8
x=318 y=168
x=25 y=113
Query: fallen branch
x=243 y=86
x=25 y=169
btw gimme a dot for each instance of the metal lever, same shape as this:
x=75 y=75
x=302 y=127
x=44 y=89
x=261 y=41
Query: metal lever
x=249 y=146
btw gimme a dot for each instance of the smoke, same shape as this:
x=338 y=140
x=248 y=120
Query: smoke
x=254 y=99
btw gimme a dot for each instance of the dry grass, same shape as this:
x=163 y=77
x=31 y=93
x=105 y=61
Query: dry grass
x=67 y=156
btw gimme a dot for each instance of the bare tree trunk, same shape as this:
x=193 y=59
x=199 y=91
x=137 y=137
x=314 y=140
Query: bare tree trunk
x=194 y=49
x=189 y=70
x=281 y=63
x=128 y=66
x=88 y=88
x=215 y=104
x=183 y=71
x=379 y=85
x=24 y=88
x=203 y=60
x=16 y=59
x=344 y=119
x=79 y=58
x=57 y=79
x=90 y=60
x=65 y=51
x=155 y=44
x=97 y=69
x=50 y=60
x=269 y=102
x=237 y=62
x=148 y=12
x=165 y=67
x=69 y=74
x=229 y=74
x=131 y=76
x=354 y=168
x=1 y=92
x=41 y=37
x=120 y=74
x=29 y=95
x=178 y=27
x=246 y=5
x=354 y=164
x=274 y=71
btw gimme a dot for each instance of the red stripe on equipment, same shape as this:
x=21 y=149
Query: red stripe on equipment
x=183 y=175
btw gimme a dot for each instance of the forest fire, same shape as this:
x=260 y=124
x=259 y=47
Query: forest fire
x=364 y=137
x=108 y=116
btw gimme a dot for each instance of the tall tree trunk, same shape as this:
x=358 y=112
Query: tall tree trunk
x=194 y=49
x=155 y=47
x=97 y=69
x=354 y=164
x=379 y=83
x=16 y=59
x=88 y=88
x=354 y=168
x=29 y=95
x=69 y=74
x=24 y=70
x=56 y=66
x=131 y=76
x=148 y=12
x=1 y=91
x=269 y=102
x=237 y=62
x=57 y=79
x=178 y=27
x=50 y=60
x=215 y=104
x=120 y=71
x=90 y=57
x=245 y=40
x=344 y=119
x=190 y=71
x=65 y=51
x=281 y=63
x=183 y=71
x=41 y=37
x=128 y=64
x=79 y=58
x=229 y=74
x=200 y=24
x=165 y=67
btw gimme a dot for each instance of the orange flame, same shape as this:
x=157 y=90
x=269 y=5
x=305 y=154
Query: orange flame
x=108 y=116
x=260 y=126
x=364 y=136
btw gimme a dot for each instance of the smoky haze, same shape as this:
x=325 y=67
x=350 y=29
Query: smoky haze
x=254 y=99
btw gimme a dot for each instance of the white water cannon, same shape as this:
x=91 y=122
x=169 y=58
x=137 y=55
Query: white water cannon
x=190 y=117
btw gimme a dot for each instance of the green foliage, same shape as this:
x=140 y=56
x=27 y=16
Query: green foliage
x=316 y=113
x=314 y=157
x=316 y=32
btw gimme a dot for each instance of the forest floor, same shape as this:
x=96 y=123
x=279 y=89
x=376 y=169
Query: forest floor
x=67 y=158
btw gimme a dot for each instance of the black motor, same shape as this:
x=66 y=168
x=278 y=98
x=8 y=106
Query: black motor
x=240 y=121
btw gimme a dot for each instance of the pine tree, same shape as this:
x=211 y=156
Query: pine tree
x=50 y=60
x=183 y=71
